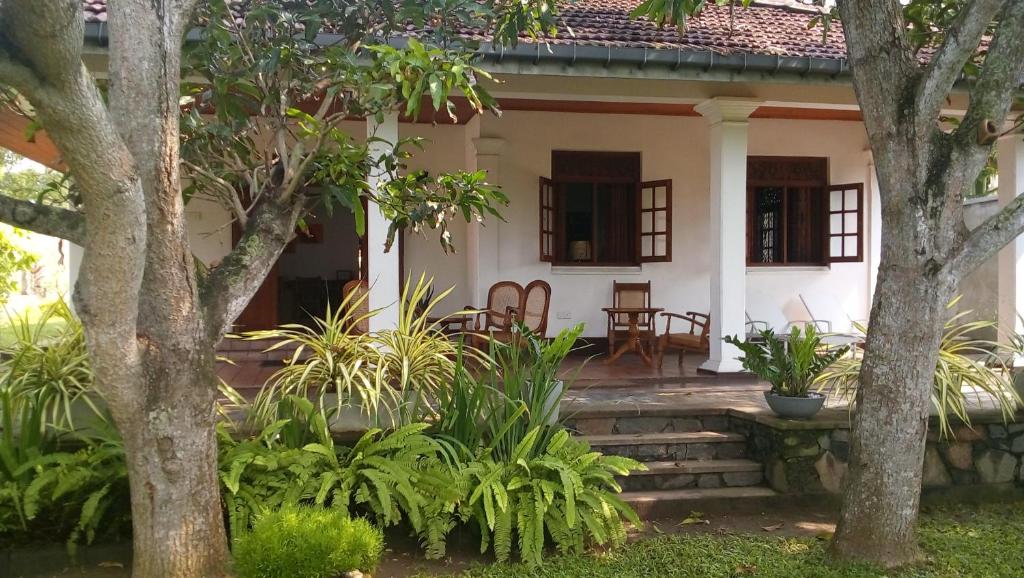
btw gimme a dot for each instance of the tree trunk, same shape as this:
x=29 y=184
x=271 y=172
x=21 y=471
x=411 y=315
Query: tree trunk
x=171 y=446
x=883 y=485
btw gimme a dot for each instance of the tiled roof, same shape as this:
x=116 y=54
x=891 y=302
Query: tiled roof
x=764 y=28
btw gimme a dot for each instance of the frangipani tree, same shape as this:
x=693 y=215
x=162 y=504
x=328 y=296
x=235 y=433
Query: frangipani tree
x=257 y=125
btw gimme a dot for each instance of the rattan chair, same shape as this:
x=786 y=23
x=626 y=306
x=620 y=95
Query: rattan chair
x=357 y=296
x=534 y=310
x=630 y=295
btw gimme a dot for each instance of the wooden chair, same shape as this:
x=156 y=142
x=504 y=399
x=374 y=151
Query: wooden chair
x=630 y=295
x=357 y=296
x=504 y=299
x=534 y=310
x=694 y=341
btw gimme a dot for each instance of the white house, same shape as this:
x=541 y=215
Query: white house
x=728 y=166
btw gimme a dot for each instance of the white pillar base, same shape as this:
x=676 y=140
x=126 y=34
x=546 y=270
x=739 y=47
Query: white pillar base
x=721 y=366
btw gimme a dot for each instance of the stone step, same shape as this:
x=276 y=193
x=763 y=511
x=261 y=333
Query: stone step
x=675 y=475
x=660 y=504
x=673 y=446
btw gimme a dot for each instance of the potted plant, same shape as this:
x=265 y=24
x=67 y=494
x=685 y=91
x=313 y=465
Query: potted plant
x=790 y=364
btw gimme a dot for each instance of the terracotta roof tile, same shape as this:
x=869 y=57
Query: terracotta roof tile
x=773 y=29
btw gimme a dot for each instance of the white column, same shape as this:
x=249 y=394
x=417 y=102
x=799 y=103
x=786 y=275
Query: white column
x=384 y=275
x=874 y=228
x=484 y=238
x=728 y=226
x=1011 y=257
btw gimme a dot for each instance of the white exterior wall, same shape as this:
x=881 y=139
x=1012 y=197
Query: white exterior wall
x=673 y=148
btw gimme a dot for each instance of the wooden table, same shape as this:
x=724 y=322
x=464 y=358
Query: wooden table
x=633 y=341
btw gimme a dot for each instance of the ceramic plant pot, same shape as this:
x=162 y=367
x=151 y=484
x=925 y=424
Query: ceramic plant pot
x=795 y=407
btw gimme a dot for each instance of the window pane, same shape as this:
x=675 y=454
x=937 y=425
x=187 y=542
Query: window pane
x=766 y=244
x=646 y=222
x=646 y=199
x=646 y=246
x=661 y=221
x=835 y=223
x=850 y=246
x=851 y=200
x=835 y=201
x=659 y=197
x=835 y=247
x=660 y=249
x=850 y=223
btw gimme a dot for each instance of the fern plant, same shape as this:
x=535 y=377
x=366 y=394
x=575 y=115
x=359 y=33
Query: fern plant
x=564 y=491
x=791 y=364
x=388 y=477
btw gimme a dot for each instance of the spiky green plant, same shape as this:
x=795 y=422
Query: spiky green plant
x=51 y=366
x=967 y=369
x=329 y=357
x=791 y=364
x=416 y=358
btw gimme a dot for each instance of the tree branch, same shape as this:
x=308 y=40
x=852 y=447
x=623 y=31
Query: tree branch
x=1000 y=77
x=988 y=238
x=961 y=42
x=230 y=286
x=43 y=219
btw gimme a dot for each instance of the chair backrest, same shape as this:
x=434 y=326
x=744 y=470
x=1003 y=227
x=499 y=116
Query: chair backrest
x=822 y=307
x=501 y=296
x=534 y=310
x=631 y=295
x=357 y=296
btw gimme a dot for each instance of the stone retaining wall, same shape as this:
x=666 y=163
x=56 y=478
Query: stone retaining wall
x=801 y=458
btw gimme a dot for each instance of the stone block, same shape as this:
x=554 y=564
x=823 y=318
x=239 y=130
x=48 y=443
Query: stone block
x=709 y=481
x=960 y=455
x=735 y=479
x=728 y=451
x=686 y=424
x=700 y=451
x=805 y=451
x=596 y=426
x=636 y=425
x=652 y=452
x=831 y=472
x=1017 y=446
x=996 y=467
x=775 y=472
x=825 y=442
x=1015 y=428
x=715 y=423
x=624 y=451
x=969 y=434
x=676 y=482
x=935 y=474
x=841 y=450
x=841 y=435
x=996 y=431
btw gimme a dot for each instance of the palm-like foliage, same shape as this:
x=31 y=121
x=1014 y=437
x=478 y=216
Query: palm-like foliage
x=791 y=364
x=417 y=358
x=967 y=370
x=560 y=489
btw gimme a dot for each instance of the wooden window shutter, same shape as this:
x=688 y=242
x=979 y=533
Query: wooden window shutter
x=845 y=223
x=655 y=229
x=547 y=220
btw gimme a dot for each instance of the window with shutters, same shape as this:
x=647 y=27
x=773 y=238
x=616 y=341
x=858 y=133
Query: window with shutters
x=596 y=210
x=794 y=217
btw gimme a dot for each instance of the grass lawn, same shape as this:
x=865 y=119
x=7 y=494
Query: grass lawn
x=984 y=541
x=10 y=317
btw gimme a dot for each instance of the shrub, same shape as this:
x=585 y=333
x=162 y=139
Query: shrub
x=790 y=365
x=389 y=477
x=307 y=542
